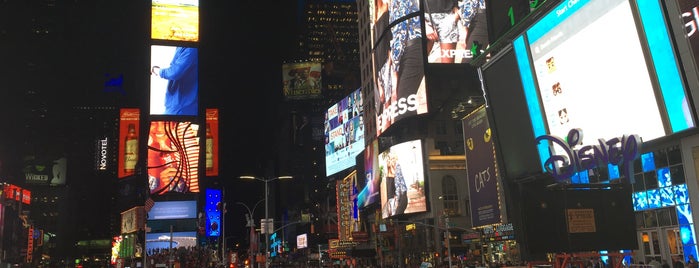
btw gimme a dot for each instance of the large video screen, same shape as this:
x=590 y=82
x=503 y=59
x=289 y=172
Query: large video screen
x=173 y=210
x=447 y=26
x=161 y=241
x=402 y=179
x=635 y=88
x=213 y=208
x=176 y=20
x=174 y=83
x=398 y=65
x=344 y=133
x=173 y=157
x=369 y=189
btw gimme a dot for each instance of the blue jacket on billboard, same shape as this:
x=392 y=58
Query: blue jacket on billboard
x=181 y=97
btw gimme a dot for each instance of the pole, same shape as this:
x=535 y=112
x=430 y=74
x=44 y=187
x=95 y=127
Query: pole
x=224 y=254
x=266 y=223
x=145 y=253
x=446 y=222
x=320 y=257
x=171 y=260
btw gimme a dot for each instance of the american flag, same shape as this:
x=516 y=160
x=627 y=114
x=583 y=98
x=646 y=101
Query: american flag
x=149 y=204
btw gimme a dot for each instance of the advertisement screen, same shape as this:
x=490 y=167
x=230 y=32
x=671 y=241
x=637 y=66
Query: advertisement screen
x=301 y=80
x=129 y=119
x=213 y=212
x=398 y=65
x=447 y=26
x=635 y=90
x=344 y=133
x=174 y=80
x=369 y=191
x=164 y=241
x=176 y=20
x=173 y=210
x=211 y=143
x=173 y=157
x=402 y=179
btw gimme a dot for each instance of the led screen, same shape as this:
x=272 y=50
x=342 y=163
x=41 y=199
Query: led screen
x=174 y=82
x=160 y=241
x=398 y=65
x=176 y=20
x=344 y=133
x=211 y=141
x=369 y=193
x=213 y=212
x=173 y=157
x=129 y=119
x=301 y=80
x=636 y=89
x=173 y=210
x=402 y=179
x=447 y=26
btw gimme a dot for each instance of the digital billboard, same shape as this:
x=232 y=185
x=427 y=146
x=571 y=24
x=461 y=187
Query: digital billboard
x=164 y=241
x=174 y=82
x=301 y=80
x=398 y=65
x=369 y=188
x=173 y=157
x=129 y=119
x=211 y=156
x=173 y=210
x=447 y=26
x=635 y=90
x=176 y=20
x=212 y=209
x=344 y=133
x=402 y=179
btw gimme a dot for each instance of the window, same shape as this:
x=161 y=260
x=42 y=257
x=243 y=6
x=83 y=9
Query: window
x=450 y=198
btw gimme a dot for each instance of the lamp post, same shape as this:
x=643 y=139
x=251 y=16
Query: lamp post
x=251 y=224
x=267 y=227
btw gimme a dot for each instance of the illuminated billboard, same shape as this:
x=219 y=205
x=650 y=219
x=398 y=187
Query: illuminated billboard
x=398 y=65
x=301 y=80
x=402 y=179
x=211 y=141
x=369 y=188
x=164 y=241
x=635 y=90
x=173 y=210
x=174 y=80
x=176 y=20
x=212 y=209
x=447 y=27
x=173 y=157
x=45 y=170
x=129 y=119
x=344 y=133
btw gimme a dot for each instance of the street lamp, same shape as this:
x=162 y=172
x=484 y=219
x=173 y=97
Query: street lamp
x=251 y=224
x=267 y=227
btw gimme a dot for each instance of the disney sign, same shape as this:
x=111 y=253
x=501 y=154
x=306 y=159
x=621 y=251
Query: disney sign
x=620 y=151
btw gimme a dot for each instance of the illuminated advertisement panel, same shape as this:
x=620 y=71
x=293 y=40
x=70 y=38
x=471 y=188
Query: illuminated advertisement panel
x=301 y=80
x=174 y=83
x=565 y=89
x=447 y=28
x=398 y=65
x=132 y=220
x=173 y=157
x=176 y=20
x=164 y=241
x=213 y=212
x=403 y=182
x=45 y=170
x=345 y=206
x=344 y=133
x=173 y=210
x=129 y=119
x=211 y=143
x=369 y=193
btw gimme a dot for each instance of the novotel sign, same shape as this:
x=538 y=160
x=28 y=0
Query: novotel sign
x=575 y=157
